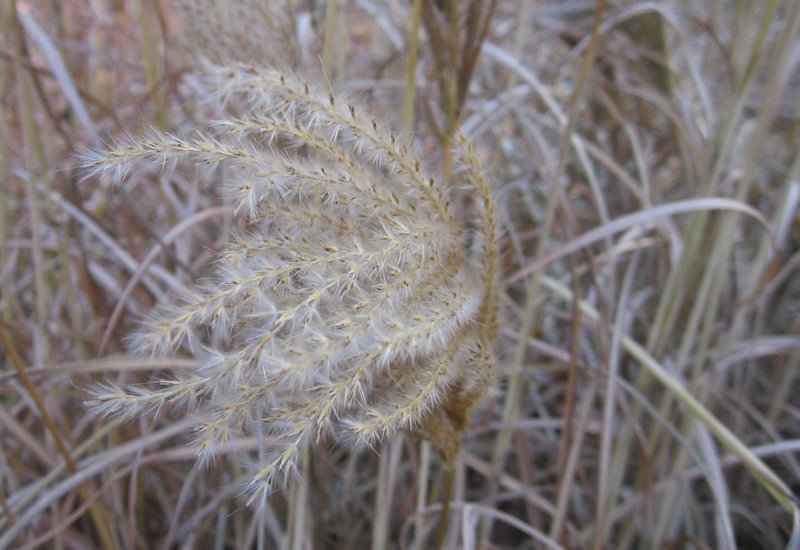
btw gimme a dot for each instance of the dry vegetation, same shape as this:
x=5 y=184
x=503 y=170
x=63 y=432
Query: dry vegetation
x=483 y=274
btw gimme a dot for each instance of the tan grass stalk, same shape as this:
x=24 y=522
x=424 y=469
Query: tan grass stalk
x=412 y=43
x=151 y=45
x=334 y=41
x=86 y=490
x=6 y=26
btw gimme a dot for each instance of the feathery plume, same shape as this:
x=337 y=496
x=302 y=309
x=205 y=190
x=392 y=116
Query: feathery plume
x=349 y=306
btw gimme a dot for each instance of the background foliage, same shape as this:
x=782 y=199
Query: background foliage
x=645 y=159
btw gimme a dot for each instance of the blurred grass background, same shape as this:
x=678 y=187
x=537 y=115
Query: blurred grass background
x=645 y=155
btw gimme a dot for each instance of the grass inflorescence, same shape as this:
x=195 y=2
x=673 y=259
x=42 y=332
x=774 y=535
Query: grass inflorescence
x=349 y=306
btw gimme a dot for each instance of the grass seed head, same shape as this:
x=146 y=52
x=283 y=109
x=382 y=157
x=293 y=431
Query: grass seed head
x=349 y=307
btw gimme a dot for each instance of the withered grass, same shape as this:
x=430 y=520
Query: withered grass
x=466 y=274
